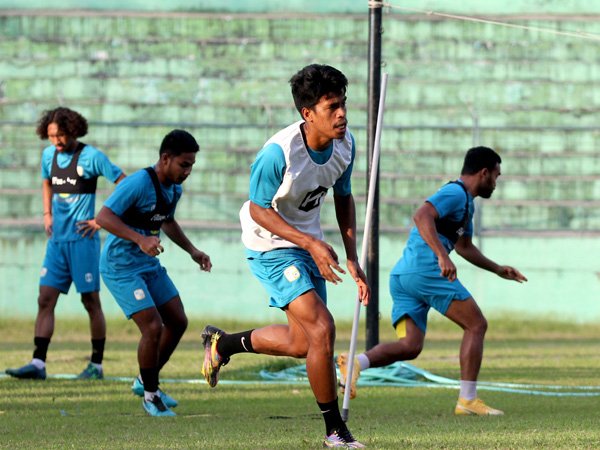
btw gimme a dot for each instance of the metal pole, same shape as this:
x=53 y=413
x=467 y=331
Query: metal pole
x=363 y=253
x=374 y=87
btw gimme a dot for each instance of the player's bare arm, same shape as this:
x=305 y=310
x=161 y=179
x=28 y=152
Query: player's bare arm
x=47 y=203
x=88 y=228
x=112 y=223
x=424 y=219
x=465 y=248
x=176 y=234
x=345 y=212
x=323 y=254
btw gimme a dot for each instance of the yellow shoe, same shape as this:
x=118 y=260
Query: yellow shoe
x=342 y=362
x=475 y=407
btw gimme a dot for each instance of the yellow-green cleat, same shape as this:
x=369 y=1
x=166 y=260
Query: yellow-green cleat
x=342 y=362
x=475 y=407
x=212 y=360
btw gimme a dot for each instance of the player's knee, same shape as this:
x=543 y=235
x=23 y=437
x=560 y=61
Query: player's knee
x=46 y=302
x=180 y=324
x=152 y=330
x=299 y=351
x=91 y=303
x=325 y=337
x=479 y=327
x=413 y=349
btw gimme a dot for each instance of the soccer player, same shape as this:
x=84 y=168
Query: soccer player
x=425 y=277
x=70 y=170
x=285 y=248
x=136 y=212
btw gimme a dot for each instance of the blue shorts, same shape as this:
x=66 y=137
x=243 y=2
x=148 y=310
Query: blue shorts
x=72 y=262
x=286 y=274
x=141 y=290
x=414 y=293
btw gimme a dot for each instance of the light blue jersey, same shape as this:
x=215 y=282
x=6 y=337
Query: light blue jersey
x=275 y=184
x=449 y=201
x=135 y=191
x=68 y=209
x=267 y=171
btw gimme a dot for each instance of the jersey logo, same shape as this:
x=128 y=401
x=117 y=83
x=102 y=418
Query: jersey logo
x=313 y=199
x=291 y=274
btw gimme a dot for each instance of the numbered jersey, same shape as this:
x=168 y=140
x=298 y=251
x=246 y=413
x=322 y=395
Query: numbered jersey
x=303 y=186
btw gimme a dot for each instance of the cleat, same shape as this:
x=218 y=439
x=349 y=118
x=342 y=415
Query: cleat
x=341 y=439
x=212 y=360
x=91 y=372
x=28 y=372
x=156 y=408
x=342 y=362
x=475 y=407
x=138 y=389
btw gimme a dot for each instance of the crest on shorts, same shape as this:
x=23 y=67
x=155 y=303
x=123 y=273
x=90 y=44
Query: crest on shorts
x=291 y=274
x=139 y=294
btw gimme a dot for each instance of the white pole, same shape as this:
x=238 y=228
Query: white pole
x=363 y=255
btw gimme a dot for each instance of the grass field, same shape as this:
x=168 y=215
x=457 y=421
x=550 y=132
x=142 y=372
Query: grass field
x=62 y=413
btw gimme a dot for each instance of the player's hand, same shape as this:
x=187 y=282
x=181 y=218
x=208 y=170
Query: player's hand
x=87 y=228
x=48 y=224
x=448 y=269
x=326 y=260
x=202 y=259
x=150 y=245
x=510 y=273
x=364 y=290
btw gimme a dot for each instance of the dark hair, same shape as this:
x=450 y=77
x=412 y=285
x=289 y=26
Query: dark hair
x=177 y=142
x=478 y=158
x=313 y=82
x=68 y=121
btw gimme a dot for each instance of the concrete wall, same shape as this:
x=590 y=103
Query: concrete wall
x=532 y=95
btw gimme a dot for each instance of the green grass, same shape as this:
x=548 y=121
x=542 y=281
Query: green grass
x=105 y=415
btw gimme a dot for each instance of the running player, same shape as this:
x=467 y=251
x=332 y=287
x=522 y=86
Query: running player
x=142 y=206
x=285 y=248
x=425 y=277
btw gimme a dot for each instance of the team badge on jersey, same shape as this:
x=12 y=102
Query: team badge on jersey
x=80 y=171
x=313 y=199
x=291 y=274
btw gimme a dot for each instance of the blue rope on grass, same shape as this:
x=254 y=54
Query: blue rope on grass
x=399 y=374
x=402 y=374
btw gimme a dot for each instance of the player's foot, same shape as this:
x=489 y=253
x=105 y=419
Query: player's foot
x=156 y=407
x=342 y=362
x=475 y=407
x=91 y=372
x=29 y=372
x=212 y=360
x=341 y=439
x=138 y=389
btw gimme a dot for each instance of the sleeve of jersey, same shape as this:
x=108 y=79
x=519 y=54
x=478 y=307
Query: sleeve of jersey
x=448 y=200
x=266 y=175
x=126 y=193
x=46 y=164
x=343 y=186
x=101 y=165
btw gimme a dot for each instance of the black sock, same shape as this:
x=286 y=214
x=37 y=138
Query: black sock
x=150 y=379
x=98 y=350
x=230 y=344
x=332 y=416
x=41 y=347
